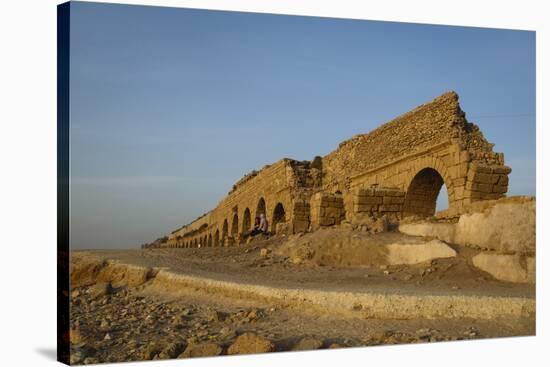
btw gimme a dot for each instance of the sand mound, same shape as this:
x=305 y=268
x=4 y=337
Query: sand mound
x=342 y=247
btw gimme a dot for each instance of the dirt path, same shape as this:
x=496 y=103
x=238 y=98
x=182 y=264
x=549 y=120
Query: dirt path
x=245 y=265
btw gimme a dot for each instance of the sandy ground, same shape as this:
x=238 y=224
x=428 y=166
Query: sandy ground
x=245 y=265
x=127 y=321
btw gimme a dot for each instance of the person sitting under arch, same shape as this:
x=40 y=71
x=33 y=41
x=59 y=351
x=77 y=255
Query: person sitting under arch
x=260 y=225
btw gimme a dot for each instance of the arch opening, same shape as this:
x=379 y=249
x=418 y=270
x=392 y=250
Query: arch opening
x=260 y=208
x=225 y=229
x=246 y=220
x=234 y=229
x=278 y=216
x=235 y=225
x=217 y=238
x=442 y=202
x=422 y=194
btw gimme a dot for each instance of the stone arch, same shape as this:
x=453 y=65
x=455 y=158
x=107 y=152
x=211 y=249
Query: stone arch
x=261 y=207
x=235 y=225
x=278 y=216
x=217 y=238
x=234 y=234
x=422 y=191
x=209 y=244
x=246 y=220
x=204 y=241
x=225 y=229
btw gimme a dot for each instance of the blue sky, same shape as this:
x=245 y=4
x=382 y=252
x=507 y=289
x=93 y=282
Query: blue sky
x=169 y=107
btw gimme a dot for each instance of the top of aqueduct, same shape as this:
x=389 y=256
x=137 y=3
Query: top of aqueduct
x=396 y=170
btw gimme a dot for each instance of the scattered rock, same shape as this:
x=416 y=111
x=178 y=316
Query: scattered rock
x=301 y=254
x=308 y=343
x=249 y=343
x=100 y=289
x=217 y=316
x=172 y=350
x=90 y=360
x=201 y=350
x=151 y=351
x=76 y=357
x=74 y=335
x=423 y=333
x=264 y=252
x=253 y=315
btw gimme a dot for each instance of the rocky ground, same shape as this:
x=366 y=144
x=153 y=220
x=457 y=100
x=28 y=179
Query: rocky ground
x=127 y=317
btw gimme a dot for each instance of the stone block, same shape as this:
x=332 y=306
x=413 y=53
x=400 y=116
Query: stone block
x=370 y=200
x=393 y=200
x=462 y=169
x=503 y=180
x=301 y=226
x=364 y=208
x=502 y=170
x=465 y=156
x=458 y=192
x=482 y=187
x=503 y=267
x=395 y=193
x=398 y=254
x=480 y=168
x=500 y=189
x=507 y=226
x=390 y=208
x=326 y=221
x=459 y=181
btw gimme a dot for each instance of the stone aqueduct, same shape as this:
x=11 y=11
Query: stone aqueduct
x=396 y=170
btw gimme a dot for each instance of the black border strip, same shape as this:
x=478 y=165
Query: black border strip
x=63 y=110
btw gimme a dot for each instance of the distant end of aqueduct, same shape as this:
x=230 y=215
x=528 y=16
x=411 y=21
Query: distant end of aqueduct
x=396 y=170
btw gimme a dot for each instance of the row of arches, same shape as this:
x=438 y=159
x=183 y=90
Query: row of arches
x=235 y=229
x=422 y=192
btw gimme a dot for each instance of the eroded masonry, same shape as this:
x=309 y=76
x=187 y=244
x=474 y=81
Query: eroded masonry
x=396 y=170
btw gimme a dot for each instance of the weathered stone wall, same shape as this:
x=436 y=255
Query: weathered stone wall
x=396 y=170
x=383 y=201
x=417 y=153
x=326 y=210
x=278 y=190
x=504 y=231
